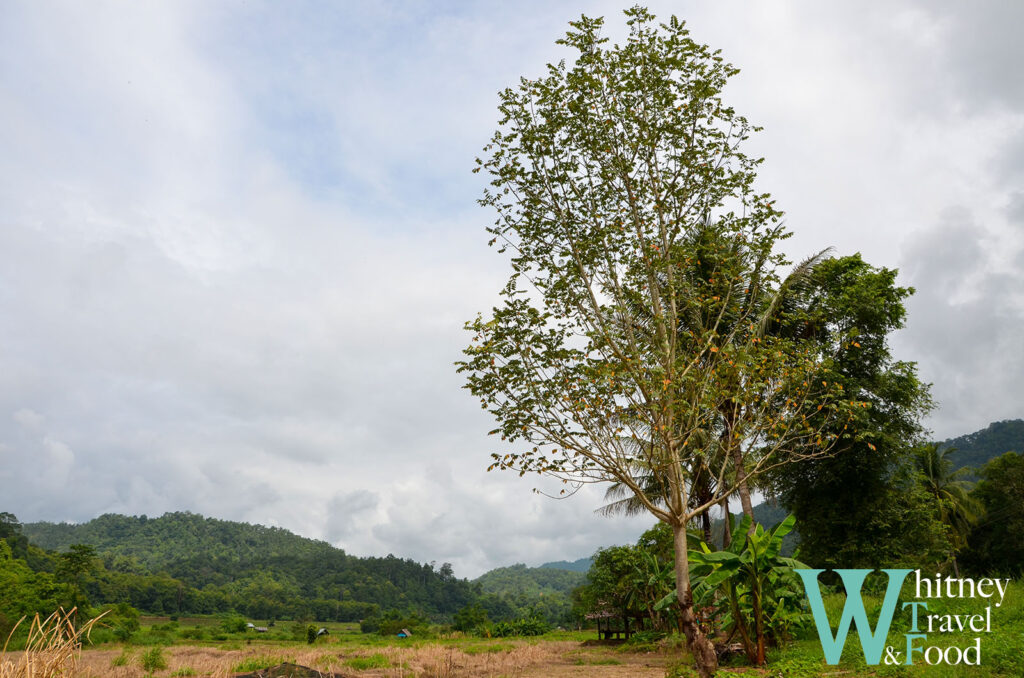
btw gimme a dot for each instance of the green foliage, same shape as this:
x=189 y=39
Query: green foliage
x=857 y=507
x=391 y=623
x=25 y=593
x=122 y=659
x=233 y=623
x=311 y=634
x=534 y=626
x=996 y=544
x=193 y=633
x=633 y=580
x=949 y=493
x=977 y=449
x=10 y=532
x=651 y=262
x=212 y=566
x=636 y=343
x=578 y=565
x=532 y=581
x=253 y=664
x=183 y=671
x=122 y=619
x=524 y=589
x=366 y=663
x=470 y=618
x=610 y=579
x=153 y=660
x=761 y=597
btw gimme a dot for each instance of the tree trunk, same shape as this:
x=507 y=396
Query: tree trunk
x=705 y=521
x=758 y=622
x=727 y=533
x=741 y=624
x=701 y=648
x=743 y=488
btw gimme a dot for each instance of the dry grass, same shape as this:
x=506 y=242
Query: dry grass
x=53 y=647
x=508 y=660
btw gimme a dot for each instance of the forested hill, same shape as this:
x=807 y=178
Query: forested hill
x=581 y=565
x=161 y=543
x=263 y=571
x=520 y=580
x=975 y=449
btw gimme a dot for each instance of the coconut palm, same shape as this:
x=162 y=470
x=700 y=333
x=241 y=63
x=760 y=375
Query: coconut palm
x=702 y=482
x=739 y=295
x=957 y=509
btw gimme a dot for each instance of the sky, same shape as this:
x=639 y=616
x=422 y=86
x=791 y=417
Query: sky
x=239 y=241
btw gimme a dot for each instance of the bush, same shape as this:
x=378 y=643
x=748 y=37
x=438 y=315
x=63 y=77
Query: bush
x=233 y=624
x=392 y=623
x=194 y=633
x=310 y=634
x=122 y=659
x=533 y=626
x=153 y=660
x=122 y=618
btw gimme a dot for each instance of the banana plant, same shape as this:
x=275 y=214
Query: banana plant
x=752 y=587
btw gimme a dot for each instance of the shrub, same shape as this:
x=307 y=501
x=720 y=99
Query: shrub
x=153 y=660
x=533 y=626
x=122 y=618
x=194 y=633
x=122 y=659
x=233 y=624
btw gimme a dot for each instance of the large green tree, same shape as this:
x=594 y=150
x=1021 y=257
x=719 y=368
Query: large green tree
x=996 y=544
x=861 y=506
x=630 y=344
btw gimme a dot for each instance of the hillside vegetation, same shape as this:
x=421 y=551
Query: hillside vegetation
x=185 y=563
x=978 y=448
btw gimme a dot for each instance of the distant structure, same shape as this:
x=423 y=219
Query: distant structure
x=404 y=633
x=611 y=623
x=322 y=632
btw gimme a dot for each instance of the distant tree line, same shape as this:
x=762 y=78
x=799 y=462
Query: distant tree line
x=250 y=570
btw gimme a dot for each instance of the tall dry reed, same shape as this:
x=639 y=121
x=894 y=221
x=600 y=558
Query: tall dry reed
x=52 y=649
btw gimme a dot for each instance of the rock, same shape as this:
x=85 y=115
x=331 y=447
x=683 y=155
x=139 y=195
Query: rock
x=289 y=671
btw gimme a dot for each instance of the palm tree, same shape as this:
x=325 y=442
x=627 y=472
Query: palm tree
x=701 y=480
x=744 y=296
x=957 y=509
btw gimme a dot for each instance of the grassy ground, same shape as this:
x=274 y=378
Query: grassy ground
x=348 y=652
x=446 y=658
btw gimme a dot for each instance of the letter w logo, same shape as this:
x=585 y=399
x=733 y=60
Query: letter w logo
x=872 y=644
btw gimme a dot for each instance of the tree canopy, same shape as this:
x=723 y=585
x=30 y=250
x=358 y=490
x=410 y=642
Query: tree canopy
x=631 y=345
x=860 y=506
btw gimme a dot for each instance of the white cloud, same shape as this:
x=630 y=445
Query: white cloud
x=28 y=418
x=237 y=245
